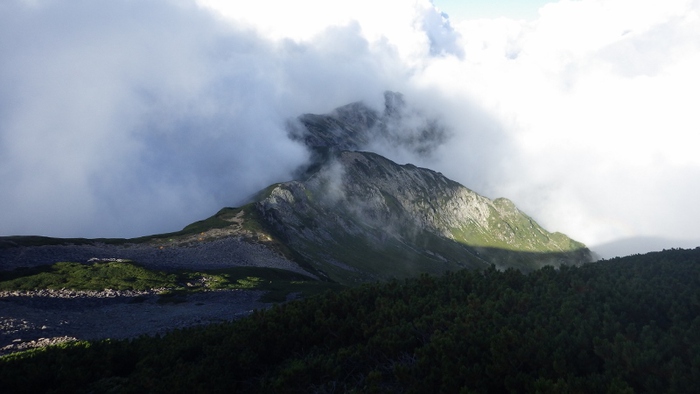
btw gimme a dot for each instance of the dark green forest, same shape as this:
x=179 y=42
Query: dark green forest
x=624 y=325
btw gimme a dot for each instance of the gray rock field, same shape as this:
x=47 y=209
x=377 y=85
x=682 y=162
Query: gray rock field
x=44 y=317
x=33 y=319
x=219 y=253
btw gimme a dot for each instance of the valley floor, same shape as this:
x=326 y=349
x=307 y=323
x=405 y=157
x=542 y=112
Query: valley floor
x=40 y=319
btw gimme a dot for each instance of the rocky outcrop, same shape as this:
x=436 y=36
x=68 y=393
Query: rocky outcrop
x=357 y=126
x=364 y=217
x=70 y=294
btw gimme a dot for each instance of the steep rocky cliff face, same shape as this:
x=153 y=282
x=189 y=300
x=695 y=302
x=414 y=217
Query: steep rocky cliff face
x=363 y=217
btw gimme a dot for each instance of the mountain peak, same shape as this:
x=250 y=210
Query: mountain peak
x=394 y=104
x=361 y=217
x=356 y=127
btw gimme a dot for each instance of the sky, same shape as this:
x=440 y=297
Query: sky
x=123 y=118
x=459 y=10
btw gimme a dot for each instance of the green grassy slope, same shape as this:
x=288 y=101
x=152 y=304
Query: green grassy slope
x=131 y=276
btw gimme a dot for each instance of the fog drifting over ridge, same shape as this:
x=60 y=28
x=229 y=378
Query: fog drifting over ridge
x=127 y=118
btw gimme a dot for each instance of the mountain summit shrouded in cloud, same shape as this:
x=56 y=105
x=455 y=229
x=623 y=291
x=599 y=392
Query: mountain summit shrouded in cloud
x=125 y=118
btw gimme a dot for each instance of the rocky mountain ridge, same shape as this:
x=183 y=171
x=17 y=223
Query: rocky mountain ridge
x=363 y=217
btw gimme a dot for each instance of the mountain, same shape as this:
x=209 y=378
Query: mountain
x=353 y=216
x=350 y=216
x=363 y=217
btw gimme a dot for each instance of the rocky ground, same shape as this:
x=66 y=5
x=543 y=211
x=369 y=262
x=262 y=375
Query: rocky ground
x=219 y=253
x=40 y=318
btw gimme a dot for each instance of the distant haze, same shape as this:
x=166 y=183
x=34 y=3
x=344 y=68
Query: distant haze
x=125 y=118
x=628 y=246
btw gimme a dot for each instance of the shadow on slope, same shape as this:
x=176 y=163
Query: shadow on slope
x=374 y=256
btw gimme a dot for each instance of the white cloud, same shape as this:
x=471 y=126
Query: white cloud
x=125 y=118
x=414 y=29
x=598 y=99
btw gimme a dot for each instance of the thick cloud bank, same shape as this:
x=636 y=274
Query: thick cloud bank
x=598 y=99
x=124 y=118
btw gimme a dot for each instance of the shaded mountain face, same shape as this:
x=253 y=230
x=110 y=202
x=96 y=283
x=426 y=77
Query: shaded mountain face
x=362 y=217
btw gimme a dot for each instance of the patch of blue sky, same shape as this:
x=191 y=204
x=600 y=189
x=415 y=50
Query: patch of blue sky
x=459 y=10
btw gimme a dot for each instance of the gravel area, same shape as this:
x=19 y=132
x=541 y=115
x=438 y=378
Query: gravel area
x=220 y=253
x=31 y=320
x=44 y=317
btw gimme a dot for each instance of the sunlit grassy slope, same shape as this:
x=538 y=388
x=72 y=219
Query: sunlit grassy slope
x=131 y=276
